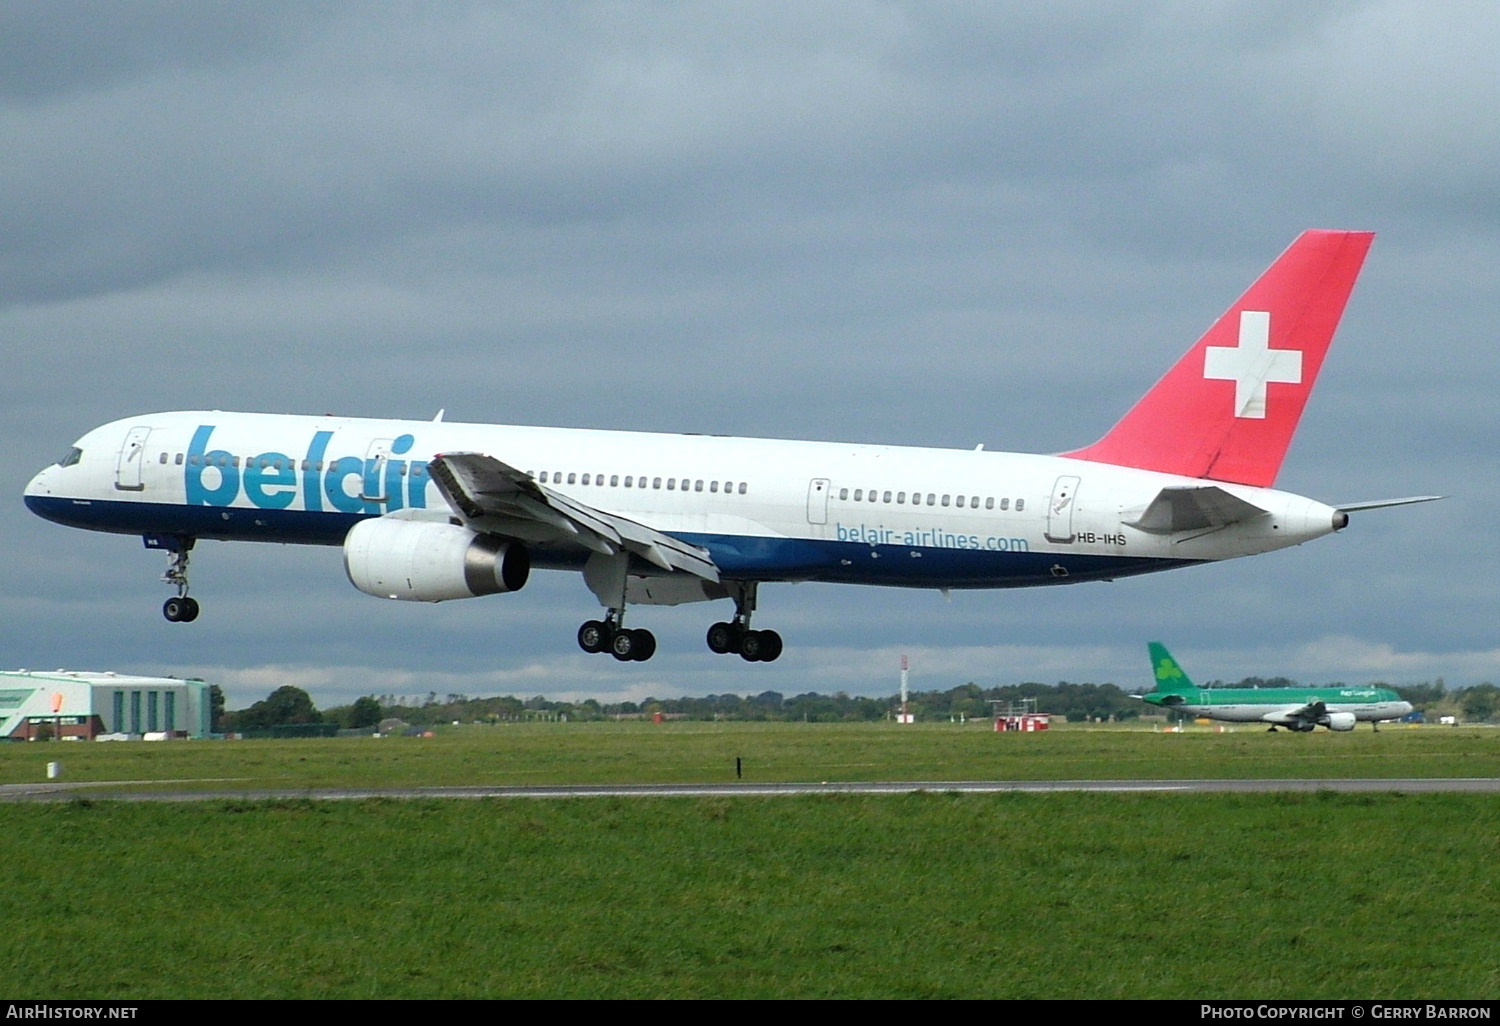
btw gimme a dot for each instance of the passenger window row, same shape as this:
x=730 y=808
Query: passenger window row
x=557 y=477
x=899 y=498
x=672 y=484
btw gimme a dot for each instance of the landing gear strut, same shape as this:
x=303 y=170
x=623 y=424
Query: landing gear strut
x=737 y=637
x=608 y=635
x=180 y=609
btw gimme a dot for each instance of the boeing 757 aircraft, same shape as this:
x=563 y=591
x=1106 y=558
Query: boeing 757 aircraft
x=1299 y=709
x=431 y=511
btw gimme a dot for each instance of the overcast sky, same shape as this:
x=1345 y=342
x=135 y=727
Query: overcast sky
x=918 y=223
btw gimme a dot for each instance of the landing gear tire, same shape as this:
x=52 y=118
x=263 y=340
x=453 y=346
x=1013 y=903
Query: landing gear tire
x=723 y=638
x=180 y=610
x=760 y=646
x=594 y=636
x=633 y=646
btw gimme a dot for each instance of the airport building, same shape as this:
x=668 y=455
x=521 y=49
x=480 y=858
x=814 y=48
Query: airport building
x=70 y=705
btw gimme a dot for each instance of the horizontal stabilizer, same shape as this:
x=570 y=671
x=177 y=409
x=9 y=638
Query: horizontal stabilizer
x=1351 y=507
x=477 y=485
x=1192 y=508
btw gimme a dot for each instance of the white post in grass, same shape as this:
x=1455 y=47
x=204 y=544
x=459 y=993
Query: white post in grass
x=905 y=716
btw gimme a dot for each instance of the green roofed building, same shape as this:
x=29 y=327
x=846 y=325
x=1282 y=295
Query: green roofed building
x=68 y=704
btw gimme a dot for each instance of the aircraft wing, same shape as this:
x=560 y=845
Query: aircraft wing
x=1193 y=508
x=1298 y=716
x=479 y=486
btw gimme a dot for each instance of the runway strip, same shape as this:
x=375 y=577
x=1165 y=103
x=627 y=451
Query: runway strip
x=120 y=790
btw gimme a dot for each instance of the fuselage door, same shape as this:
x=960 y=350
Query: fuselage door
x=817 y=501
x=375 y=488
x=132 y=461
x=1060 y=510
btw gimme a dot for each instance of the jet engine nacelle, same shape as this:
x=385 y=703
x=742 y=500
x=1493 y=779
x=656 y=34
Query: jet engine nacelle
x=1340 y=721
x=423 y=561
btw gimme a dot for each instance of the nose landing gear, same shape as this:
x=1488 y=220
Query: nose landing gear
x=180 y=609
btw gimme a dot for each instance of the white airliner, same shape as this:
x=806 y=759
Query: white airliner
x=431 y=511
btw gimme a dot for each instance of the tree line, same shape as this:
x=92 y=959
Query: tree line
x=1074 y=702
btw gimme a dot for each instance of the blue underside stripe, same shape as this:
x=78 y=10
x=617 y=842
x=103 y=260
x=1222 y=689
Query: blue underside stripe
x=738 y=557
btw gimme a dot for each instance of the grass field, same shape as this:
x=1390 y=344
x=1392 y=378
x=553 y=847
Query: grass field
x=685 y=752
x=927 y=895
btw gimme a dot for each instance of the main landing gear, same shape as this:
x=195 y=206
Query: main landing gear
x=606 y=579
x=737 y=637
x=608 y=635
x=180 y=609
x=752 y=646
x=606 y=576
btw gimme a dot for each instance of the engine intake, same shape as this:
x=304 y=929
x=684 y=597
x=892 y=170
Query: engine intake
x=1339 y=721
x=419 y=561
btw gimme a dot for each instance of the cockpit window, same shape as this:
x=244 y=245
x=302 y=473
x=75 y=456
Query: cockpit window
x=71 y=457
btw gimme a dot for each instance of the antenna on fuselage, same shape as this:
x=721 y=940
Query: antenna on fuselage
x=439 y=418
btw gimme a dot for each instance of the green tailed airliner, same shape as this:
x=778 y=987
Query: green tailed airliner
x=1300 y=709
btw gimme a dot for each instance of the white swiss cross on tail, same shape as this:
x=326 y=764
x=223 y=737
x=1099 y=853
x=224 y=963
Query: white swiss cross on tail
x=1253 y=364
x=1185 y=425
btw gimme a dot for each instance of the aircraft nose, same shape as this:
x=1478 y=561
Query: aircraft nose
x=38 y=484
x=37 y=491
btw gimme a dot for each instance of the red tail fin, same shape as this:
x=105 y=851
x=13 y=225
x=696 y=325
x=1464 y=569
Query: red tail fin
x=1228 y=409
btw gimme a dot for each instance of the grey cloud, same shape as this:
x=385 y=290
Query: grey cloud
x=65 y=47
x=398 y=122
